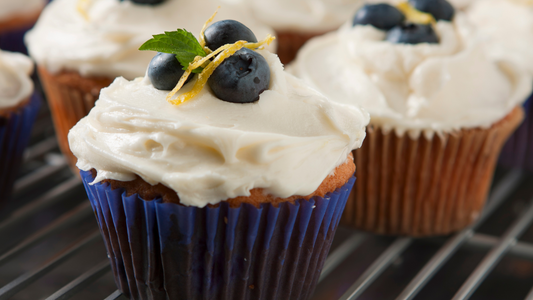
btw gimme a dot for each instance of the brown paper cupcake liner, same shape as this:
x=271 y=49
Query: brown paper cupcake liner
x=423 y=187
x=290 y=42
x=70 y=97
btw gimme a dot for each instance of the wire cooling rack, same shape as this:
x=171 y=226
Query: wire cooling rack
x=50 y=246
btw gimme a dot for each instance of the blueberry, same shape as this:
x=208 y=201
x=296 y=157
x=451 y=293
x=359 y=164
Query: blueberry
x=411 y=33
x=241 y=77
x=147 y=2
x=440 y=9
x=165 y=71
x=227 y=32
x=382 y=16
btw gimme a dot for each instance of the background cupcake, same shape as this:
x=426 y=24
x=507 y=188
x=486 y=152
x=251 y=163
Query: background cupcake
x=507 y=26
x=296 y=21
x=18 y=108
x=441 y=109
x=81 y=46
x=17 y=17
x=229 y=195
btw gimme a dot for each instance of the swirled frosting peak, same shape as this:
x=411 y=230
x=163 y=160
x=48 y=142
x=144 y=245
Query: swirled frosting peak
x=302 y=15
x=15 y=82
x=508 y=27
x=209 y=150
x=101 y=37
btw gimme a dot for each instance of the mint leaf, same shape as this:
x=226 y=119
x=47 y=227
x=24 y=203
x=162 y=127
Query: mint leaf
x=180 y=42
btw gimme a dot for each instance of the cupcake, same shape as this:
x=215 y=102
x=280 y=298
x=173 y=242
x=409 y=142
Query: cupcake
x=18 y=108
x=507 y=26
x=440 y=107
x=81 y=46
x=17 y=17
x=296 y=21
x=231 y=186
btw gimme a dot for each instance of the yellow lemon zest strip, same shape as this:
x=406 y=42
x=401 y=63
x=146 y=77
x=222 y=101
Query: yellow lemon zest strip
x=202 y=36
x=204 y=76
x=82 y=8
x=182 y=80
x=200 y=63
x=197 y=62
x=225 y=52
x=414 y=15
x=207 y=50
x=259 y=45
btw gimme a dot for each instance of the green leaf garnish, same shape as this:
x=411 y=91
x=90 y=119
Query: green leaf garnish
x=181 y=42
x=195 y=57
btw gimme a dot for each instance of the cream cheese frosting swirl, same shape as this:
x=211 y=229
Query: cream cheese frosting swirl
x=303 y=15
x=508 y=26
x=102 y=37
x=423 y=88
x=209 y=150
x=10 y=8
x=15 y=82
x=461 y=4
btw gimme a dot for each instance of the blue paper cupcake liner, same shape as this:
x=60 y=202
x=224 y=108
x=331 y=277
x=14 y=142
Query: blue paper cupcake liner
x=15 y=132
x=518 y=151
x=169 y=251
x=13 y=40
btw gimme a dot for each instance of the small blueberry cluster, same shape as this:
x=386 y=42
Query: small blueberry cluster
x=387 y=17
x=241 y=78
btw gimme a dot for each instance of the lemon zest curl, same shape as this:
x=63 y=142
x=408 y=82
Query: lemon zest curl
x=414 y=15
x=202 y=36
x=209 y=66
x=220 y=55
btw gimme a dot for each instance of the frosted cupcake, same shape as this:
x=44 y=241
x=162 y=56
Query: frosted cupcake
x=18 y=109
x=507 y=26
x=81 y=46
x=296 y=21
x=229 y=187
x=17 y=17
x=440 y=106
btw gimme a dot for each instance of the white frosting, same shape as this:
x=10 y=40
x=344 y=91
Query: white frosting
x=460 y=4
x=15 y=81
x=209 y=150
x=10 y=8
x=508 y=26
x=416 y=88
x=303 y=15
x=107 y=43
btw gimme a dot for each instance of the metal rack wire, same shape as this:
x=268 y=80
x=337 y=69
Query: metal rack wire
x=51 y=210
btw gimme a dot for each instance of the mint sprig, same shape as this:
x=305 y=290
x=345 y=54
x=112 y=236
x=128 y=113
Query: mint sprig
x=181 y=42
